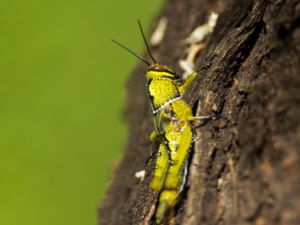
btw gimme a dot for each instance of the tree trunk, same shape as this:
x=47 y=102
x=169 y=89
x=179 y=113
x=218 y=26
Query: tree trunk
x=245 y=167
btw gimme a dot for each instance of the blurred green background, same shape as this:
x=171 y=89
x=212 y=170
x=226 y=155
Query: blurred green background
x=61 y=98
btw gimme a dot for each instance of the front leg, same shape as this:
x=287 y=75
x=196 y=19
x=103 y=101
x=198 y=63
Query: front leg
x=188 y=82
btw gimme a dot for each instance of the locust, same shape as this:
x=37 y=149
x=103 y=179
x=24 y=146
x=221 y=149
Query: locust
x=172 y=120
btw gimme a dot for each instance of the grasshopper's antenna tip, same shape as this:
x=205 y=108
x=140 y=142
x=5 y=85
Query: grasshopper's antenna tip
x=145 y=41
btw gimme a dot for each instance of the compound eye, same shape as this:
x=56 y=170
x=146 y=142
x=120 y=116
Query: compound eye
x=157 y=68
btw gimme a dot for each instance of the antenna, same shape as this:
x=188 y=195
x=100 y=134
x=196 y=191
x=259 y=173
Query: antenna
x=144 y=37
x=132 y=52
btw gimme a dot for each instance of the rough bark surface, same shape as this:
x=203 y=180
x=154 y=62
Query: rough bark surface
x=245 y=167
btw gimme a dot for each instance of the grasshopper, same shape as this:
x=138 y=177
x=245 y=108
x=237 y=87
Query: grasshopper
x=172 y=121
x=172 y=118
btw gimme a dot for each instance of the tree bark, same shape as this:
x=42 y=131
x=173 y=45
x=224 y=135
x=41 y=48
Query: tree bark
x=245 y=167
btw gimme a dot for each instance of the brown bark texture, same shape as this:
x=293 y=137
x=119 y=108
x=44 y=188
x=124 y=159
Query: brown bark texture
x=245 y=166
